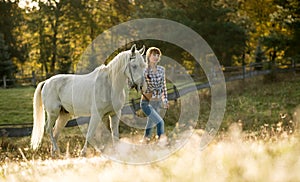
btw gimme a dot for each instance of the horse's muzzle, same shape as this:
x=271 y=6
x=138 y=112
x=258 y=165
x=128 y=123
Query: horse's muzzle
x=140 y=86
x=136 y=87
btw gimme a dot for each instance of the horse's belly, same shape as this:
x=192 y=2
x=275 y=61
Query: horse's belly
x=77 y=110
x=78 y=103
x=82 y=112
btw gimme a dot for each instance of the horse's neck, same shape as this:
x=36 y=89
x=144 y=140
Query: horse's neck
x=119 y=82
x=117 y=73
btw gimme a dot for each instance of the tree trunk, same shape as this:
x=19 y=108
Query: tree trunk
x=54 y=49
x=55 y=24
x=4 y=81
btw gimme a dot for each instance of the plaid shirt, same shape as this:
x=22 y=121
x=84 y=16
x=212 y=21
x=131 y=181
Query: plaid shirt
x=156 y=83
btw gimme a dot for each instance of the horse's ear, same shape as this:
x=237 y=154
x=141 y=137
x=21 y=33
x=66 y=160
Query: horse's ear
x=133 y=48
x=142 y=50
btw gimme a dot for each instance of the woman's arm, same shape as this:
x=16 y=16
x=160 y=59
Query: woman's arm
x=164 y=91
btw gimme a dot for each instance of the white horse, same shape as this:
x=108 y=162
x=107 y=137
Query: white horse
x=95 y=94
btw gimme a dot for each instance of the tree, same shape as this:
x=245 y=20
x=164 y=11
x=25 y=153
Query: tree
x=56 y=30
x=11 y=19
x=7 y=68
x=287 y=17
x=207 y=17
x=62 y=30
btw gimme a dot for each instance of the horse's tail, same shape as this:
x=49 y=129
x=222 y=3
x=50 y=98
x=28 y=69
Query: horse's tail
x=38 y=117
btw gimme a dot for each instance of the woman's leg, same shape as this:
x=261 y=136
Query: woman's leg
x=160 y=128
x=147 y=110
x=153 y=118
x=160 y=125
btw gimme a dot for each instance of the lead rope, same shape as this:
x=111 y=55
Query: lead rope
x=134 y=84
x=145 y=96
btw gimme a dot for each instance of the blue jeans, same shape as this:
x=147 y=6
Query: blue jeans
x=151 y=109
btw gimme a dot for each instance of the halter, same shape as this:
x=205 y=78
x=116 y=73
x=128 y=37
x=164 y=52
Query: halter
x=131 y=76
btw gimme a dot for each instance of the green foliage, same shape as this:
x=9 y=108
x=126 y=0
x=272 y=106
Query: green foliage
x=227 y=39
x=11 y=19
x=288 y=16
x=51 y=37
x=7 y=68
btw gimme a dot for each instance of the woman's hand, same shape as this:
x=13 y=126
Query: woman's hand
x=144 y=87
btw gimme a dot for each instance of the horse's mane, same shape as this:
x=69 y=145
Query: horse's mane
x=118 y=64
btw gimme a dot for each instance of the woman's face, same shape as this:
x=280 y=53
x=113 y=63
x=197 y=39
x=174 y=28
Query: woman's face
x=154 y=57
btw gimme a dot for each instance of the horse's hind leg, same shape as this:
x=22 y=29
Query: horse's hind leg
x=52 y=116
x=60 y=124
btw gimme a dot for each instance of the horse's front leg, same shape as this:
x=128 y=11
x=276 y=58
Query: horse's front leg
x=94 y=121
x=114 y=126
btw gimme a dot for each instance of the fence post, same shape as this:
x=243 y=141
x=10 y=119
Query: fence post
x=176 y=93
x=244 y=71
x=244 y=66
x=294 y=66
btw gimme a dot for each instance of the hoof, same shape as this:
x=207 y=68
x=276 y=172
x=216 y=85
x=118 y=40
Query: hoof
x=55 y=154
x=83 y=153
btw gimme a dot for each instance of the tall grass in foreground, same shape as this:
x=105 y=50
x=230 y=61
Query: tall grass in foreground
x=229 y=159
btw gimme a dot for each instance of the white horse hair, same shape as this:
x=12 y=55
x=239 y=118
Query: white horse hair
x=95 y=94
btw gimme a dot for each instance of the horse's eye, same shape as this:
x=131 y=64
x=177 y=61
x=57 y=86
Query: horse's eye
x=134 y=66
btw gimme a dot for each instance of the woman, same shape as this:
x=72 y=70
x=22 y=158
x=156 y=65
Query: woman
x=154 y=95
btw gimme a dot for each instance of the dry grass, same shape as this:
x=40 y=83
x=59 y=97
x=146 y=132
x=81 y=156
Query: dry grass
x=232 y=158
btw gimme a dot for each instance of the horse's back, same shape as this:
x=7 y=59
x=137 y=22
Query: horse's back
x=72 y=92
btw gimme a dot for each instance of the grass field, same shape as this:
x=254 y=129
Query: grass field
x=255 y=103
x=16 y=105
x=252 y=102
x=258 y=141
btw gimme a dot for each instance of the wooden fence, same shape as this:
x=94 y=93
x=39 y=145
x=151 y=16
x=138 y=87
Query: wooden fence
x=25 y=80
x=229 y=72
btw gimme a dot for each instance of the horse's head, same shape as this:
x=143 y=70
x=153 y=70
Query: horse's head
x=135 y=68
